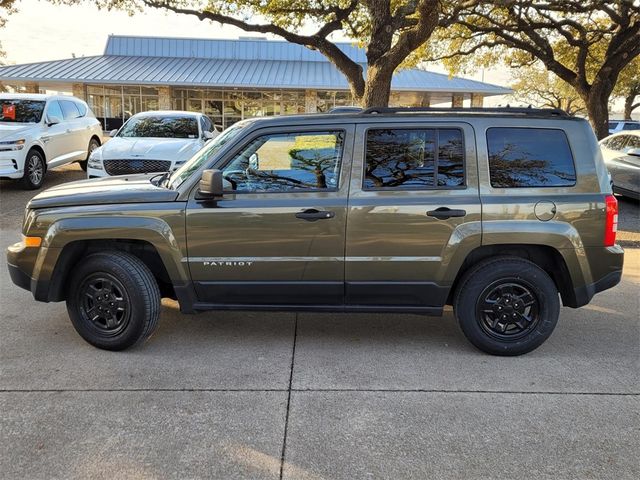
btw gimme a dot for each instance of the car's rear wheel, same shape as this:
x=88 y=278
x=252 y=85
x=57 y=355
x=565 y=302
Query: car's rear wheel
x=113 y=300
x=507 y=306
x=93 y=144
x=34 y=170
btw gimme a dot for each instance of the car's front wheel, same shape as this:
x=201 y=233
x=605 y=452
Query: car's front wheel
x=34 y=170
x=507 y=306
x=93 y=144
x=113 y=300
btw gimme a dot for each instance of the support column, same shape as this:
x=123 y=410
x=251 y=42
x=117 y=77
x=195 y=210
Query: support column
x=78 y=90
x=310 y=101
x=477 y=100
x=164 y=98
x=31 y=87
x=457 y=100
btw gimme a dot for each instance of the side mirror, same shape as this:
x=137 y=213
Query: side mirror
x=208 y=135
x=634 y=151
x=113 y=132
x=211 y=183
x=254 y=162
x=53 y=120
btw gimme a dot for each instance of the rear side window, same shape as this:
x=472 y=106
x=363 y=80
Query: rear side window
x=631 y=126
x=414 y=159
x=69 y=109
x=529 y=157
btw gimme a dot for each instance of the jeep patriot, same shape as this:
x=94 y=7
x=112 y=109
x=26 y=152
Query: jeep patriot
x=501 y=213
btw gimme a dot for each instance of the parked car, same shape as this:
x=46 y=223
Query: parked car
x=38 y=132
x=157 y=141
x=621 y=153
x=616 y=126
x=500 y=213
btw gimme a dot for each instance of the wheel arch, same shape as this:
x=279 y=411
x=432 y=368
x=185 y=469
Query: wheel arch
x=74 y=251
x=550 y=259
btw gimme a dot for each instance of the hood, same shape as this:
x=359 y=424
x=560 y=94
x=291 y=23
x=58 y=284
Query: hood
x=100 y=191
x=9 y=130
x=121 y=148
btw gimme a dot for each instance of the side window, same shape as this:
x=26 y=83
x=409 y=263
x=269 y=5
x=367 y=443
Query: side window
x=413 y=159
x=529 y=157
x=285 y=162
x=69 y=109
x=631 y=126
x=82 y=109
x=54 y=110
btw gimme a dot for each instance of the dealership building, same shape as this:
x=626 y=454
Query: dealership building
x=226 y=79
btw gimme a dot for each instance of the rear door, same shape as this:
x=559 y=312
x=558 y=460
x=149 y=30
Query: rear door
x=413 y=204
x=276 y=238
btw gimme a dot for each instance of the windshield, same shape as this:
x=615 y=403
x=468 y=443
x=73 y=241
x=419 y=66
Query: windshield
x=204 y=155
x=21 y=111
x=160 y=127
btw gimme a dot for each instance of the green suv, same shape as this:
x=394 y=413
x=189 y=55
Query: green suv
x=498 y=212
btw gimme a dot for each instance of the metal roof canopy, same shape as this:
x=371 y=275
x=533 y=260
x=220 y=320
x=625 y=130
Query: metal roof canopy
x=265 y=64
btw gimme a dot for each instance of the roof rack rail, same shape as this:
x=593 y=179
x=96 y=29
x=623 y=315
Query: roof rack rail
x=550 y=112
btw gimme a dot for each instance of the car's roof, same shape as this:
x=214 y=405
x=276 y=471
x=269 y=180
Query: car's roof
x=168 y=113
x=36 y=96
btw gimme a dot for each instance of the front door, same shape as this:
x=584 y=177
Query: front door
x=413 y=202
x=276 y=238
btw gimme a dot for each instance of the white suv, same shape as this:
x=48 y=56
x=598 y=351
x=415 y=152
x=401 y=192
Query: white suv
x=149 y=142
x=38 y=132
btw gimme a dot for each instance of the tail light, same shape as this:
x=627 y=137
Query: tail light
x=611 y=221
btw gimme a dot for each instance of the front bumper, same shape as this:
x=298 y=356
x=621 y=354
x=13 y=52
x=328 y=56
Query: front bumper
x=18 y=277
x=12 y=164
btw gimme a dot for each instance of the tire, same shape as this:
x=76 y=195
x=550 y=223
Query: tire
x=93 y=144
x=34 y=170
x=100 y=285
x=509 y=286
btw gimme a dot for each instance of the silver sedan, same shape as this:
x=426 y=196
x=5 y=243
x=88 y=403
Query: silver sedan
x=621 y=153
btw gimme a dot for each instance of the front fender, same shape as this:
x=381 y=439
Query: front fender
x=155 y=231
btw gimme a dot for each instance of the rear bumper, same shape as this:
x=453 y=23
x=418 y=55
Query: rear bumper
x=611 y=260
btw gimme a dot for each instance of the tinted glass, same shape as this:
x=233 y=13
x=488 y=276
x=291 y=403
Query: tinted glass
x=529 y=157
x=160 y=127
x=54 y=110
x=417 y=158
x=21 y=111
x=69 y=109
x=631 y=126
x=613 y=125
x=287 y=162
x=633 y=142
x=617 y=143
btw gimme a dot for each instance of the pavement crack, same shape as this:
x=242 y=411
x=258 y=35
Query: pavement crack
x=286 y=419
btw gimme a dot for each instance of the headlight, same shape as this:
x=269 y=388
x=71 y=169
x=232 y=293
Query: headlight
x=10 y=145
x=94 y=161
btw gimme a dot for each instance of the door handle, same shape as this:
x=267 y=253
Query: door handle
x=444 y=213
x=311 y=215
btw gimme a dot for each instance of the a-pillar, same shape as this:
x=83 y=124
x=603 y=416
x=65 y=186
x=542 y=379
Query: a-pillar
x=457 y=100
x=310 y=101
x=164 y=98
x=477 y=100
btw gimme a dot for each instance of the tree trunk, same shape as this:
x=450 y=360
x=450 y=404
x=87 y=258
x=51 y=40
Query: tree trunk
x=629 y=106
x=377 y=86
x=598 y=110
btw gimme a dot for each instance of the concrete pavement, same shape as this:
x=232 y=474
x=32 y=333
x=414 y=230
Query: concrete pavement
x=232 y=395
